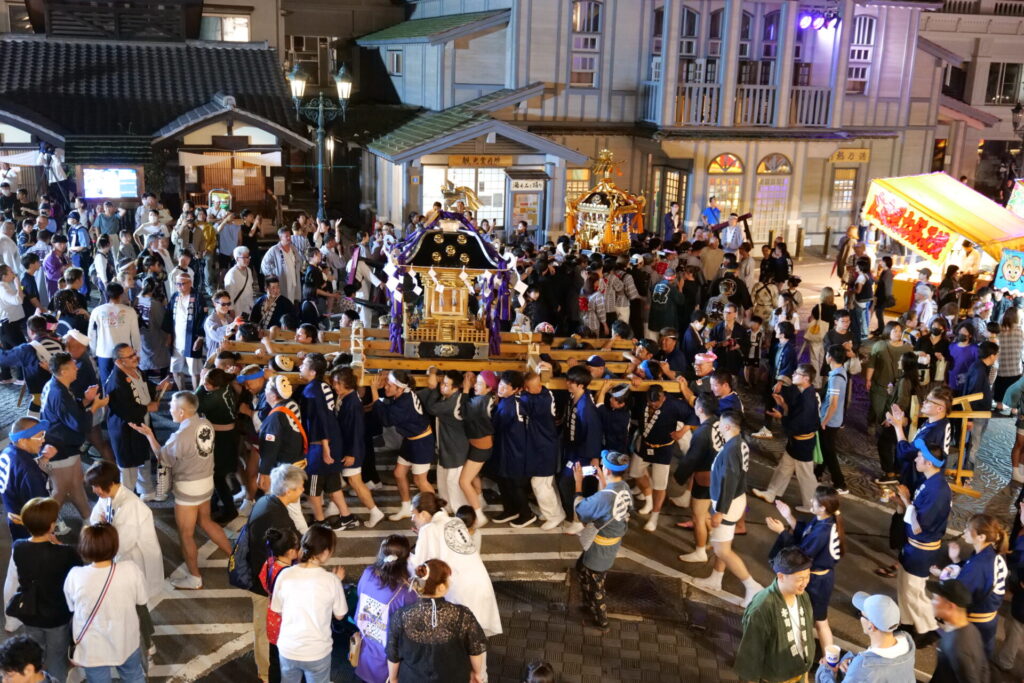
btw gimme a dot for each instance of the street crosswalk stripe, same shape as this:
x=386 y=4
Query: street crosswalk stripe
x=370 y=559
x=198 y=666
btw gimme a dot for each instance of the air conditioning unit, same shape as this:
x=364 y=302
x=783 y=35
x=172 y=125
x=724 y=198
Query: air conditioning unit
x=714 y=48
x=769 y=50
x=687 y=47
x=744 y=50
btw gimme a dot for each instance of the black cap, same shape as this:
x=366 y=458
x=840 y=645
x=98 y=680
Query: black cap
x=952 y=590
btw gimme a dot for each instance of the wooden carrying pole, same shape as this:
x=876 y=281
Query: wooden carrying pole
x=964 y=414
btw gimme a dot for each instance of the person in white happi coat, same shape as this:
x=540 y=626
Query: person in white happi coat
x=442 y=537
x=284 y=262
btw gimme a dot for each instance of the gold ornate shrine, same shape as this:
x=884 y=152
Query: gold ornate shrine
x=603 y=217
x=446 y=259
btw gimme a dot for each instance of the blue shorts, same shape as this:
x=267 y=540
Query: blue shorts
x=819 y=589
x=419 y=451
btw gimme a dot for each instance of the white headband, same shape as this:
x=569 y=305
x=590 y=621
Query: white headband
x=394 y=380
x=621 y=393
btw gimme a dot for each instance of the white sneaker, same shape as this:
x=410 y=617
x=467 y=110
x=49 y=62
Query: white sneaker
x=148 y=497
x=375 y=518
x=331 y=510
x=636 y=491
x=763 y=495
x=648 y=506
x=552 y=524
x=1018 y=474
x=241 y=496
x=187 y=583
x=62 y=528
x=572 y=528
x=523 y=525
x=763 y=433
x=682 y=501
x=708 y=584
x=246 y=507
x=652 y=523
x=698 y=555
x=404 y=512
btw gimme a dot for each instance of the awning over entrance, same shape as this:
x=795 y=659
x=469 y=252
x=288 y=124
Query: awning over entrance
x=928 y=212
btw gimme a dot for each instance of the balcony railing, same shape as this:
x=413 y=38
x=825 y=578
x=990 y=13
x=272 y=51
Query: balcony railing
x=697 y=104
x=650 y=101
x=809 y=106
x=755 y=105
x=961 y=6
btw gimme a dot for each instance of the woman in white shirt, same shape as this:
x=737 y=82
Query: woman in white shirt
x=304 y=642
x=12 y=316
x=103 y=596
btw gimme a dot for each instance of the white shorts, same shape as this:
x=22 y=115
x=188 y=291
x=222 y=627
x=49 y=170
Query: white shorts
x=73 y=461
x=351 y=471
x=727 y=529
x=192 y=493
x=185 y=366
x=638 y=467
x=416 y=469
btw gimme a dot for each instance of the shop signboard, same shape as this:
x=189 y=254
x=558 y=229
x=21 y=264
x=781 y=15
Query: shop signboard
x=847 y=154
x=480 y=160
x=1010 y=273
x=907 y=224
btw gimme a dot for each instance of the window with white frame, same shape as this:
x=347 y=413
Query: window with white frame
x=225 y=27
x=771 y=199
x=396 y=59
x=314 y=54
x=844 y=185
x=657 y=28
x=488 y=183
x=862 y=44
x=587 y=17
x=689 y=31
x=1005 y=83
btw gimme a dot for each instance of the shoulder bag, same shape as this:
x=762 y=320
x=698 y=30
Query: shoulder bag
x=355 y=641
x=92 y=615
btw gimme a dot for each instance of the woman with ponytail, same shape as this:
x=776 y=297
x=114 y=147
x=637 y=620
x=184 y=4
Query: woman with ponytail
x=304 y=643
x=384 y=588
x=983 y=573
x=283 y=546
x=824 y=541
x=443 y=537
x=433 y=639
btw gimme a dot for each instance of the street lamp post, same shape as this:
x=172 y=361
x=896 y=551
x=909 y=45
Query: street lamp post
x=320 y=110
x=1018 y=127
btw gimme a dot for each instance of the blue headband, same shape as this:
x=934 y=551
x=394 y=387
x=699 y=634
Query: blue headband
x=926 y=451
x=247 y=378
x=29 y=432
x=611 y=466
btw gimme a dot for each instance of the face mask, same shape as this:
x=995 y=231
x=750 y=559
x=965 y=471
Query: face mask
x=698 y=326
x=965 y=337
x=936 y=331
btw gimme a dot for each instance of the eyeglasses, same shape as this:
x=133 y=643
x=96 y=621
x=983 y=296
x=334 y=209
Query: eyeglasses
x=181 y=283
x=935 y=403
x=223 y=303
x=134 y=355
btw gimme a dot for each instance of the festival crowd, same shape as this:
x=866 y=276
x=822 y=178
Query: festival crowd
x=104 y=310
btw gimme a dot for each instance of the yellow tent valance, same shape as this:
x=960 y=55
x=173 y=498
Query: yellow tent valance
x=929 y=214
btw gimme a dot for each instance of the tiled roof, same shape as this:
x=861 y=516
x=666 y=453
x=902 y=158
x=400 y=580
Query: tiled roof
x=108 y=149
x=102 y=88
x=434 y=28
x=429 y=125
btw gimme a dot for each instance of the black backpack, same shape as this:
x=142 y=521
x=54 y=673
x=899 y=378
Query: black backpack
x=240 y=572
